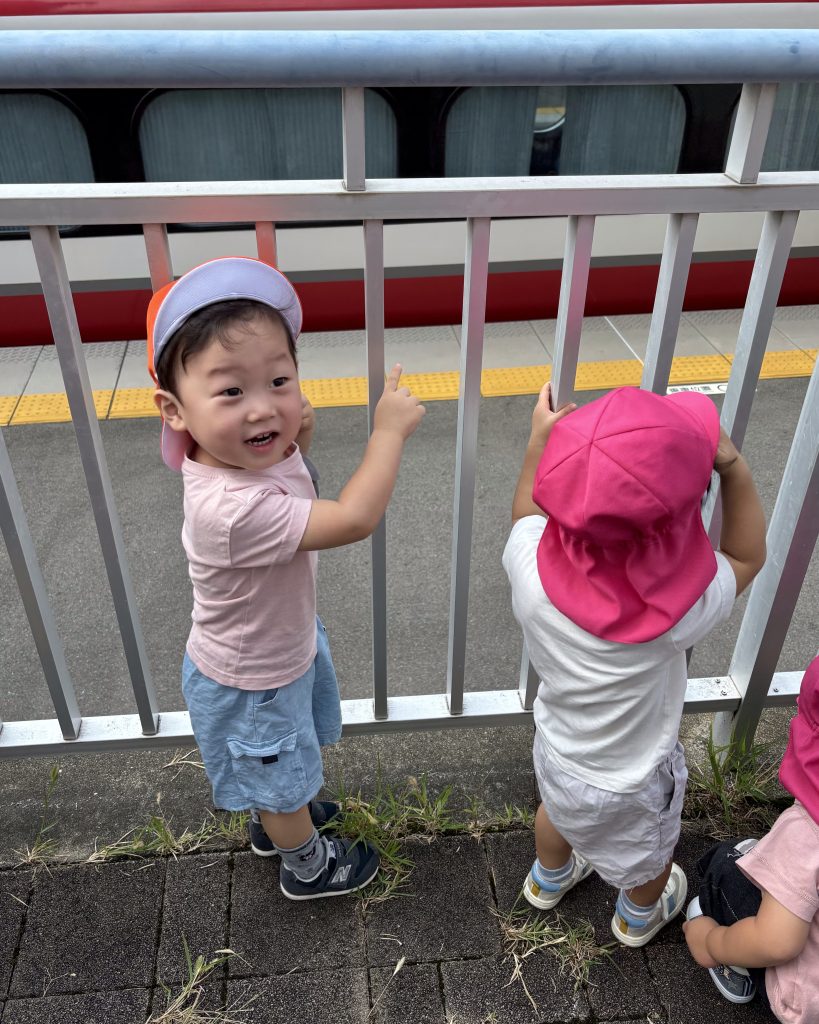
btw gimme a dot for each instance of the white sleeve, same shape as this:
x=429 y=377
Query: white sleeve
x=713 y=607
x=521 y=547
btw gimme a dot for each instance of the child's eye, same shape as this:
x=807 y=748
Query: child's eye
x=279 y=382
x=231 y=392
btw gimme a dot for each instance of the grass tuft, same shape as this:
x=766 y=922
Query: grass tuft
x=184 y=1008
x=393 y=815
x=573 y=945
x=737 y=790
x=44 y=847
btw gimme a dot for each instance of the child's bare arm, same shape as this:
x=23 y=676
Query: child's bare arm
x=364 y=498
x=543 y=419
x=742 y=539
x=773 y=937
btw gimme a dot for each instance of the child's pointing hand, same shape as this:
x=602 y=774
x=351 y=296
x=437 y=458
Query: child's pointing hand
x=397 y=410
x=543 y=419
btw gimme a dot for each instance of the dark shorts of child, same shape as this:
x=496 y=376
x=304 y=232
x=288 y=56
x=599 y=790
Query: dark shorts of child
x=261 y=748
x=727 y=896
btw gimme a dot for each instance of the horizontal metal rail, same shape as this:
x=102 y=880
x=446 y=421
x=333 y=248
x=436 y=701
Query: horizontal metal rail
x=404 y=199
x=202 y=59
x=484 y=708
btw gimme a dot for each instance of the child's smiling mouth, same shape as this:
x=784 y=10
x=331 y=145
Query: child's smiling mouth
x=261 y=440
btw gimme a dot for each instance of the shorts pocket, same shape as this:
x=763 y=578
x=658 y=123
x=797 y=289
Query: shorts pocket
x=270 y=774
x=674 y=776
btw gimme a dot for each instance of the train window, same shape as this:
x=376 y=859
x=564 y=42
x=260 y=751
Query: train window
x=250 y=134
x=43 y=141
x=793 y=139
x=622 y=129
x=489 y=131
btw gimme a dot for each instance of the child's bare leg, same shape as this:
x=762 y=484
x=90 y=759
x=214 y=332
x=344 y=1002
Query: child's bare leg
x=557 y=868
x=552 y=849
x=647 y=895
x=288 y=831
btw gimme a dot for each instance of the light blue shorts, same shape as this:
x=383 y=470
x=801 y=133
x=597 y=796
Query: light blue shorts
x=261 y=748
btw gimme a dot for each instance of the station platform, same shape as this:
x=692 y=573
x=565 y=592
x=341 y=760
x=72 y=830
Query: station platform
x=516 y=361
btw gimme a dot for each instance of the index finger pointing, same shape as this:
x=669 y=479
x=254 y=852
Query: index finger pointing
x=393 y=377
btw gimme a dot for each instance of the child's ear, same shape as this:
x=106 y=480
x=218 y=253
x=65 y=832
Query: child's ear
x=170 y=409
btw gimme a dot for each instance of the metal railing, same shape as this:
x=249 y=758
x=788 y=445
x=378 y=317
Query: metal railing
x=353 y=61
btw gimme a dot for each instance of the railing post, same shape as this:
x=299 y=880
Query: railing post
x=747 y=146
x=571 y=305
x=26 y=569
x=158 y=251
x=474 y=313
x=63 y=318
x=352 y=106
x=791 y=539
x=755 y=326
x=374 y=321
x=668 y=301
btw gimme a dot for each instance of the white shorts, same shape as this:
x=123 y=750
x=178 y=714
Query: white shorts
x=628 y=838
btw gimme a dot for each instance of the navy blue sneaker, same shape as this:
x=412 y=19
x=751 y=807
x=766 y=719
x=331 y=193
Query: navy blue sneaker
x=321 y=811
x=350 y=866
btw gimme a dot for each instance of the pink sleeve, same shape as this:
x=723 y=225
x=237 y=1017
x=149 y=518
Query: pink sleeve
x=785 y=863
x=268 y=530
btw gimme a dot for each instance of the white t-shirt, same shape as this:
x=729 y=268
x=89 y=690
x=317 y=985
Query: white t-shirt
x=608 y=712
x=254 y=592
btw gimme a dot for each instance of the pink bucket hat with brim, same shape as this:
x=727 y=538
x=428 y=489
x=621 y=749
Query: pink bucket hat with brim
x=799 y=771
x=230 y=277
x=624 y=554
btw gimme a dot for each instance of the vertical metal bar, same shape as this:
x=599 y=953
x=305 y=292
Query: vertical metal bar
x=573 y=284
x=529 y=681
x=30 y=583
x=63 y=318
x=665 y=320
x=476 y=272
x=755 y=326
x=747 y=146
x=352 y=107
x=159 y=255
x=266 y=242
x=374 y=322
x=791 y=539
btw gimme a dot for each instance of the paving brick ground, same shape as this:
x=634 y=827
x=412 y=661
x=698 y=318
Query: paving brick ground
x=94 y=943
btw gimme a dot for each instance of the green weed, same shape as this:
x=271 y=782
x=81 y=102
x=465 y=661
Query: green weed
x=184 y=1008
x=44 y=847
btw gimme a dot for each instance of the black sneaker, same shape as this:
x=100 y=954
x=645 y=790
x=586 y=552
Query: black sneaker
x=350 y=866
x=321 y=811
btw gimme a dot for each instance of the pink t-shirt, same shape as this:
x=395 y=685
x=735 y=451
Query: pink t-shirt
x=254 y=592
x=786 y=864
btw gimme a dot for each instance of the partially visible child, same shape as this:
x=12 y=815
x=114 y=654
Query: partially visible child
x=610 y=589
x=257 y=675
x=758 y=905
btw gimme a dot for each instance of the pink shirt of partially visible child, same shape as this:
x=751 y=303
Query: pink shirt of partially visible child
x=783 y=936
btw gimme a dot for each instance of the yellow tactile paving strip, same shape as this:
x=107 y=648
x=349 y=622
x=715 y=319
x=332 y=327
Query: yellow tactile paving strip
x=133 y=403
x=53 y=408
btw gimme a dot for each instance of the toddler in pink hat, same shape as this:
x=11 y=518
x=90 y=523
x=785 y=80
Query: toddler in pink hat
x=613 y=578
x=758 y=904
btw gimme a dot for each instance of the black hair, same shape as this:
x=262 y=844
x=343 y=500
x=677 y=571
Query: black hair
x=206 y=325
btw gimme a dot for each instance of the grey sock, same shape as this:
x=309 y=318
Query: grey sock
x=308 y=860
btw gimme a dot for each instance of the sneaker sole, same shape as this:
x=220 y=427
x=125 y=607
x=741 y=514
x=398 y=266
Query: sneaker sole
x=552 y=900
x=635 y=941
x=263 y=853
x=730 y=995
x=338 y=892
